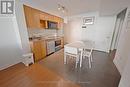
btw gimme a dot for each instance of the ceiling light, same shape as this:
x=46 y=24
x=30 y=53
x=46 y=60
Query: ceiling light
x=61 y=8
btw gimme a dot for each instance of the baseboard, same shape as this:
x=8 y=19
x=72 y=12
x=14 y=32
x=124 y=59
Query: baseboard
x=100 y=51
x=9 y=65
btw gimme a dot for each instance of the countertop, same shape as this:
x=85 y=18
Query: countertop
x=45 y=38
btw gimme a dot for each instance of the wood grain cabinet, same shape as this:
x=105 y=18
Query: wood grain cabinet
x=28 y=16
x=36 y=19
x=62 y=42
x=42 y=16
x=32 y=17
x=39 y=49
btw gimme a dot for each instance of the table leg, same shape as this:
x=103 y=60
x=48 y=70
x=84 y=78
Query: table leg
x=91 y=58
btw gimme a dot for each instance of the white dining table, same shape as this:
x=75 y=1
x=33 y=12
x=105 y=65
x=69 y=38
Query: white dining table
x=80 y=45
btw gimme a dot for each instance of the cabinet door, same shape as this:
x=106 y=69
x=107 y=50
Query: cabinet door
x=36 y=19
x=62 y=42
x=47 y=16
x=39 y=50
x=32 y=17
x=51 y=18
x=42 y=16
x=28 y=16
x=43 y=20
x=43 y=48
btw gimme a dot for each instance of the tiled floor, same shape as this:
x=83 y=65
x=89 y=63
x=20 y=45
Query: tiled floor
x=102 y=74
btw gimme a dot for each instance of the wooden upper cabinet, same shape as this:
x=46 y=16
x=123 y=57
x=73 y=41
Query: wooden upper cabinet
x=32 y=17
x=51 y=18
x=56 y=18
x=42 y=16
x=28 y=16
x=36 y=19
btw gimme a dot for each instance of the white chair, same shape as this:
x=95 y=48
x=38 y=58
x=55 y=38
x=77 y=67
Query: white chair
x=72 y=52
x=87 y=52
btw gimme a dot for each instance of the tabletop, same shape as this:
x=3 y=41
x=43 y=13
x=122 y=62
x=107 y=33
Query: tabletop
x=80 y=45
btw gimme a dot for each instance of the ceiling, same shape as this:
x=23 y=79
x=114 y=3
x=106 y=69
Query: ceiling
x=75 y=7
x=113 y=7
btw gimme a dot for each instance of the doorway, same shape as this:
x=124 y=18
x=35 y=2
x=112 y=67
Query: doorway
x=117 y=32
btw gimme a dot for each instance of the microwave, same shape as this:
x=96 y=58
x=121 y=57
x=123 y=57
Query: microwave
x=52 y=25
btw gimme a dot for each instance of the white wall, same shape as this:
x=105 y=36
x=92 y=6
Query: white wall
x=100 y=32
x=115 y=33
x=20 y=19
x=14 y=38
x=104 y=31
x=122 y=58
x=123 y=47
x=10 y=44
x=73 y=29
x=125 y=80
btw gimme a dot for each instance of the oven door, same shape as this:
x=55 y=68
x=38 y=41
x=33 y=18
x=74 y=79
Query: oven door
x=57 y=43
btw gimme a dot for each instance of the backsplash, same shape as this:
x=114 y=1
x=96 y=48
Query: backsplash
x=45 y=32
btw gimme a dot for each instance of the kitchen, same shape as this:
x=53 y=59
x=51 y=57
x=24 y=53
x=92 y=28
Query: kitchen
x=45 y=32
x=38 y=29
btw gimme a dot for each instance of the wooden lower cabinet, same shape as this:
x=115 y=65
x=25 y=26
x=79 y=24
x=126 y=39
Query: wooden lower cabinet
x=39 y=49
x=62 y=42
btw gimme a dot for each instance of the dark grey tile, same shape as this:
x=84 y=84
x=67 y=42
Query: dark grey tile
x=102 y=74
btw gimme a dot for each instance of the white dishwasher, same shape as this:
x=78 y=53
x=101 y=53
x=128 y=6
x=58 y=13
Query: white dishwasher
x=50 y=47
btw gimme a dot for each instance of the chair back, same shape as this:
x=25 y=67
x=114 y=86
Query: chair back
x=89 y=47
x=89 y=44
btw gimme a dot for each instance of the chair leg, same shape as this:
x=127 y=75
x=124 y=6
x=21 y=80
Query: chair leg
x=81 y=58
x=77 y=60
x=91 y=57
x=80 y=62
x=90 y=63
